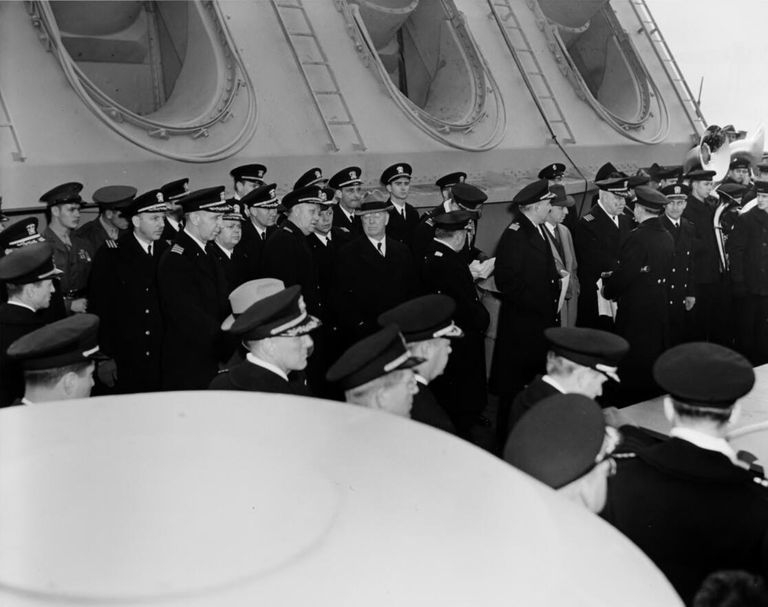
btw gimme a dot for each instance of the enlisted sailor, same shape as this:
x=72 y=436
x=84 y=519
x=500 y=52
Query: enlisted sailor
x=403 y=217
x=247 y=177
x=689 y=503
x=428 y=328
x=463 y=388
x=193 y=295
x=598 y=236
x=579 y=361
x=681 y=290
x=377 y=372
x=563 y=442
x=712 y=291
x=58 y=359
x=374 y=273
x=174 y=215
x=748 y=255
x=124 y=294
x=561 y=242
x=28 y=274
x=261 y=206
x=739 y=171
x=71 y=254
x=348 y=185
x=639 y=285
x=111 y=221
x=446 y=183
x=235 y=262
x=275 y=332
x=553 y=173
x=529 y=284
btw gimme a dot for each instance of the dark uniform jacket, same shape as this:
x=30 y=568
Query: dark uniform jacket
x=428 y=411
x=237 y=268
x=597 y=241
x=251 y=245
x=534 y=392
x=529 y=285
x=288 y=257
x=402 y=229
x=639 y=285
x=424 y=233
x=94 y=234
x=691 y=511
x=368 y=283
x=254 y=378
x=194 y=302
x=748 y=253
x=462 y=388
x=15 y=322
x=349 y=229
x=124 y=294
x=680 y=282
x=169 y=232
x=705 y=256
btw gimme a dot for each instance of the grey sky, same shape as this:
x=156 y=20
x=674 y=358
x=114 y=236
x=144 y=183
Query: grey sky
x=730 y=55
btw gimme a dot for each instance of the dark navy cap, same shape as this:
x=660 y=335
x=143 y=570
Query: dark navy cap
x=373 y=202
x=638 y=179
x=734 y=191
x=669 y=172
x=699 y=175
x=346 y=177
x=263 y=197
x=282 y=314
x=19 y=234
x=762 y=167
x=467 y=196
x=396 y=171
x=537 y=191
x=552 y=171
x=235 y=213
x=29 y=264
x=247 y=294
x=650 y=198
x=761 y=187
x=249 y=172
x=313 y=176
x=66 y=193
x=561 y=199
x=593 y=348
x=175 y=189
x=451 y=179
x=207 y=199
x=372 y=357
x=704 y=374
x=149 y=202
x=455 y=220
x=114 y=196
x=65 y=342
x=676 y=191
x=615 y=185
x=313 y=194
x=558 y=440
x=608 y=171
x=426 y=317
x=739 y=162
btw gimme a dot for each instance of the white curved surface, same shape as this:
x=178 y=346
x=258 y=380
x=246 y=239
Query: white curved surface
x=212 y=498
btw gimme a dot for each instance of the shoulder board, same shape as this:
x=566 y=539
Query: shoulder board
x=438 y=253
x=111 y=244
x=623 y=455
x=287 y=229
x=514 y=226
x=589 y=217
x=177 y=248
x=343 y=229
x=430 y=221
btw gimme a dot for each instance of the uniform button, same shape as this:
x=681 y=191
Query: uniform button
x=672 y=286
x=671 y=302
x=146 y=311
x=146 y=332
x=673 y=269
x=147 y=353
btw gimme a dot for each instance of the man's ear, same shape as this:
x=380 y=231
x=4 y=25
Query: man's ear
x=735 y=414
x=669 y=409
x=68 y=383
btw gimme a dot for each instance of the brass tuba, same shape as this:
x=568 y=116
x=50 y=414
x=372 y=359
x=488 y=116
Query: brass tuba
x=712 y=153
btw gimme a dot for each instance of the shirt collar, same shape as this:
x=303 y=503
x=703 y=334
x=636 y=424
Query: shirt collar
x=420 y=379
x=262 y=231
x=111 y=230
x=227 y=252
x=199 y=242
x=705 y=441
x=553 y=382
x=265 y=365
x=142 y=243
x=174 y=224
x=375 y=243
x=613 y=218
x=21 y=305
x=324 y=238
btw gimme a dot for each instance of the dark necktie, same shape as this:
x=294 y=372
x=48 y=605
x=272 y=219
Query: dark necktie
x=379 y=247
x=149 y=249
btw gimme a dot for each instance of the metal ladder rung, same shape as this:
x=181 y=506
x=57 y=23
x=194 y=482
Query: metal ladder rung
x=326 y=92
x=314 y=63
x=339 y=122
x=302 y=34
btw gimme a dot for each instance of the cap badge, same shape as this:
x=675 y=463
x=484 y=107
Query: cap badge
x=678 y=189
x=186 y=186
x=352 y=175
x=461 y=178
x=318 y=174
x=259 y=173
x=554 y=167
x=321 y=195
x=399 y=169
x=30 y=229
x=272 y=193
x=159 y=197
